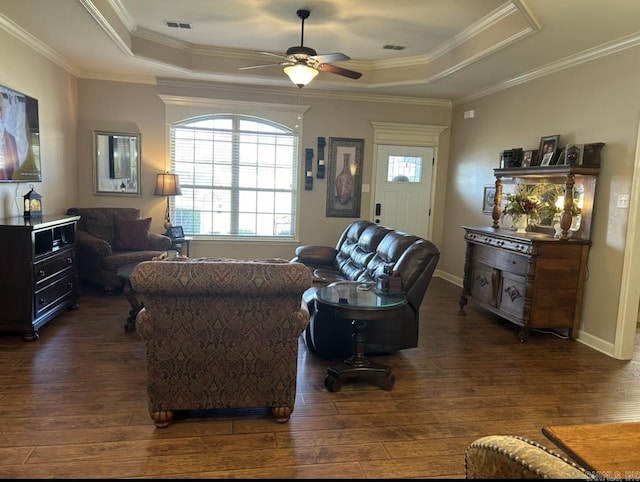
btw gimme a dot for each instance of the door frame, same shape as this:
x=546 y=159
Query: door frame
x=414 y=135
x=628 y=305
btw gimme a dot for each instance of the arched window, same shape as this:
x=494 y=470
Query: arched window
x=238 y=176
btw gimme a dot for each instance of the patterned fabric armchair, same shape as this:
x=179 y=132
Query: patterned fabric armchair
x=221 y=333
x=512 y=457
x=108 y=238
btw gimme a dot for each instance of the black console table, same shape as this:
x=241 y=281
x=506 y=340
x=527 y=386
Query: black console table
x=347 y=301
x=39 y=280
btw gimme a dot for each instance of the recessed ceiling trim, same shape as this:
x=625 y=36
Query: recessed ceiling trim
x=586 y=56
x=172 y=84
x=492 y=48
x=123 y=14
x=107 y=27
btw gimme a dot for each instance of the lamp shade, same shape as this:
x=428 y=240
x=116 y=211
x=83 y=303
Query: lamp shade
x=168 y=185
x=300 y=74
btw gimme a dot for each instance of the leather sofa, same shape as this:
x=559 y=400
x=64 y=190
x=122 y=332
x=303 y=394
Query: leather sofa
x=221 y=333
x=513 y=457
x=362 y=254
x=109 y=238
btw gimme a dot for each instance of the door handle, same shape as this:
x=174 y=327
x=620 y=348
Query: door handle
x=378 y=209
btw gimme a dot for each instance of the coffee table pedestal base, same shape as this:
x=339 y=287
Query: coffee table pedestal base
x=336 y=375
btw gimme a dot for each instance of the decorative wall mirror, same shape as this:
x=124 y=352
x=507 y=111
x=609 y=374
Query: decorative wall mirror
x=116 y=163
x=553 y=196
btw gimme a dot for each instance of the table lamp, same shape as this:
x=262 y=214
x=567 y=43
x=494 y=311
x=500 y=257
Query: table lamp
x=167 y=185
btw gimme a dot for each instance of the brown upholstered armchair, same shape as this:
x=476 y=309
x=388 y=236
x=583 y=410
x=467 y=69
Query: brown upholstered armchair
x=221 y=334
x=108 y=238
x=513 y=457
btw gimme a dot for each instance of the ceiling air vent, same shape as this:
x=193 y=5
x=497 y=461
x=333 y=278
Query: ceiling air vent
x=393 y=47
x=176 y=24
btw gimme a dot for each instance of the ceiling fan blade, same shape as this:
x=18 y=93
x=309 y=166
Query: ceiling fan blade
x=335 y=57
x=340 y=71
x=262 y=65
x=273 y=55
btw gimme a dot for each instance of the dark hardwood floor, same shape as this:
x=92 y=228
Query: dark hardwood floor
x=73 y=403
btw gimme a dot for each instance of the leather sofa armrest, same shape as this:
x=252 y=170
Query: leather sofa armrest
x=159 y=242
x=90 y=243
x=316 y=256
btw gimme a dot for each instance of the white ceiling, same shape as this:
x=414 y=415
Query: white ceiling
x=454 y=49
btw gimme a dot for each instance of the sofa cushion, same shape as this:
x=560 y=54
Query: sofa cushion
x=132 y=234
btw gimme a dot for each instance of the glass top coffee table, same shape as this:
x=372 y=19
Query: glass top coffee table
x=346 y=300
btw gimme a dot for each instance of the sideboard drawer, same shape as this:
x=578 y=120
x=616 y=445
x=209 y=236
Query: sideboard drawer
x=47 y=268
x=501 y=259
x=54 y=294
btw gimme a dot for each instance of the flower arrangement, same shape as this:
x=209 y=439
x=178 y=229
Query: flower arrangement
x=526 y=201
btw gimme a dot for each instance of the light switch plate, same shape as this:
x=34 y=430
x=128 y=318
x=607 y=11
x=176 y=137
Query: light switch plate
x=623 y=201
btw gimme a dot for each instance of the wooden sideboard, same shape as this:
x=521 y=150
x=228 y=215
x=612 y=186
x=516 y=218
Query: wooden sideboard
x=532 y=279
x=40 y=273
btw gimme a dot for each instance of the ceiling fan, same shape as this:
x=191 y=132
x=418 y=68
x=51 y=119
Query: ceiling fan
x=302 y=63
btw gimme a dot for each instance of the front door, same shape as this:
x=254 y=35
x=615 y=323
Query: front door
x=403 y=188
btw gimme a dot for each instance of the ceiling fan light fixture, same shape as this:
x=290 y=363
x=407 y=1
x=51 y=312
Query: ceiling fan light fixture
x=300 y=74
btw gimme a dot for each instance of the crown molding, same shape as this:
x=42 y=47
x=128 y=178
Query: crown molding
x=202 y=85
x=29 y=40
x=589 y=55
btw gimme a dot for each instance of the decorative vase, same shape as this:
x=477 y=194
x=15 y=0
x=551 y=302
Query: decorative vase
x=521 y=223
x=344 y=181
x=556 y=227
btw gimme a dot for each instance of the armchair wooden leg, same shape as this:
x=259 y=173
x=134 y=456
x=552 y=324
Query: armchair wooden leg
x=162 y=418
x=281 y=414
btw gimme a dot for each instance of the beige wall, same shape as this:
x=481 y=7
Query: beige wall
x=122 y=107
x=125 y=107
x=597 y=101
x=28 y=72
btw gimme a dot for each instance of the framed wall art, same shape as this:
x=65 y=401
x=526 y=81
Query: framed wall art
x=489 y=199
x=344 y=186
x=19 y=137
